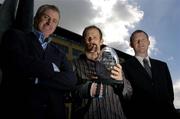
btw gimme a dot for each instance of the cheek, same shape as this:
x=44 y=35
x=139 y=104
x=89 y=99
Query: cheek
x=54 y=27
x=101 y=42
x=40 y=25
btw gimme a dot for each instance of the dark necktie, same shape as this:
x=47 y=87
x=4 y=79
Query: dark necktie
x=147 y=67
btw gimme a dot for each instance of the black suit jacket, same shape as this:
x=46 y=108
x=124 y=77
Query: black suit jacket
x=152 y=97
x=23 y=61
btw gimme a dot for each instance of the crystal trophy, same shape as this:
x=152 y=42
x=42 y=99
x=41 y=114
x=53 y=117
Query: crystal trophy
x=108 y=57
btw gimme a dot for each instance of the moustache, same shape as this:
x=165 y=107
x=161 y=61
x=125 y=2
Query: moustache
x=91 y=47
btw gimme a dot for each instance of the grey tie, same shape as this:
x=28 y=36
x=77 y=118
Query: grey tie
x=147 y=67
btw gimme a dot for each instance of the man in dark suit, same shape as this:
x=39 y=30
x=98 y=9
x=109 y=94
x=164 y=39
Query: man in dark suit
x=153 y=94
x=36 y=73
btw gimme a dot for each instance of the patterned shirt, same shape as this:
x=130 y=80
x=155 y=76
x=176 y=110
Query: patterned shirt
x=86 y=107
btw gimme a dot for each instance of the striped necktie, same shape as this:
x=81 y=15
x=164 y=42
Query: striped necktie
x=147 y=67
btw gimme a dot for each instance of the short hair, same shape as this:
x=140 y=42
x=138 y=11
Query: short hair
x=137 y=31
x=92 y=27
x=42 y=9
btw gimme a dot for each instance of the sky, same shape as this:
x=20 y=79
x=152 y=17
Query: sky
x=119 y=18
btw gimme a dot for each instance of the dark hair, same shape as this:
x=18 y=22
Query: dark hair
x=137 y=31
x=42 y=9
x=91 y=27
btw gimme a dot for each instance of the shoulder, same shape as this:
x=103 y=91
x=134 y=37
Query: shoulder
x=80 y=60
x=157 y=61
x=129 y=61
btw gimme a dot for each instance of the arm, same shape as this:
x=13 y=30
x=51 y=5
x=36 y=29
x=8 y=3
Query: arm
x=17 y=58
x=66 y=78
x=83 y=85
x=124 y=88
x=169 y=83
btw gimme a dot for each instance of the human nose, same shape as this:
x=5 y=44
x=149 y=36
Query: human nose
x=90 y=39
x=140 y=41
x=49 y=21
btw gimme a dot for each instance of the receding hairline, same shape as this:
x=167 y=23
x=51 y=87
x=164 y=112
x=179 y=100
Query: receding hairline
x=92 y=27
x=46 y=7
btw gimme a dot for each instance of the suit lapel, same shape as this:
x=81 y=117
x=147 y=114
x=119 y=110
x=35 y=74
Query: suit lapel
x=35 y=45
x=137 y=65
x=154 y=68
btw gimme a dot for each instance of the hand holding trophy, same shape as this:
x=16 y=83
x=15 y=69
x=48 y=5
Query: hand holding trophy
x=106 y=61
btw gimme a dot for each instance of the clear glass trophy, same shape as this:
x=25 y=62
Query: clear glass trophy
x=108 y=57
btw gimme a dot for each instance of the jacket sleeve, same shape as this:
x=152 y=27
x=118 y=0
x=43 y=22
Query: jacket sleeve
x=127 y=90
x=124 y=89
x=15 y=56
x=82 y=88
x=169 y=83
x=65 y=79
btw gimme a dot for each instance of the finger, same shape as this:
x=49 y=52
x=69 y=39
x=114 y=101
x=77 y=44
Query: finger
x=115 y=72
x=93 y=89
x=117 y=68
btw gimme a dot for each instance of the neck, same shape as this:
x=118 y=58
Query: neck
x=141 y=54
x=92 y=55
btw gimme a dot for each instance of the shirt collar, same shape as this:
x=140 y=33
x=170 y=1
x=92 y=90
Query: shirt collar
x=140 y=59
x=41 y=36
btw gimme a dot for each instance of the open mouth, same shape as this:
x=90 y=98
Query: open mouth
x=92 y=47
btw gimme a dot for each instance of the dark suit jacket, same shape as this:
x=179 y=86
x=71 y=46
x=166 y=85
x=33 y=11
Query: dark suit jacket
x=23 y=61
x=152 y=97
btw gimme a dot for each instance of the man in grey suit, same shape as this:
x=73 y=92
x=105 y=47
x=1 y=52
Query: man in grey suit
x=153 y=89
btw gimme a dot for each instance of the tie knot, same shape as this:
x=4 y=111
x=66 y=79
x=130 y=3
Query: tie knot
x=145 y=61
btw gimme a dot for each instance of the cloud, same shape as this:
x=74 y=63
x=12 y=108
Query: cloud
x=115 y=18
x=153 y=50
x=171 y=58
x=177 y=93
x=75 y=14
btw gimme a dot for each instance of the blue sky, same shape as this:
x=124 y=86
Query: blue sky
x=119 y=18
x=161 y=20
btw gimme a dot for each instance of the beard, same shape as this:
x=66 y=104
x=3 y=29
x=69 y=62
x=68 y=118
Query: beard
x=91 y=47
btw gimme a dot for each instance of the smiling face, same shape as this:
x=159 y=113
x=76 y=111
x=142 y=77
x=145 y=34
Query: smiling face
x=140 y=44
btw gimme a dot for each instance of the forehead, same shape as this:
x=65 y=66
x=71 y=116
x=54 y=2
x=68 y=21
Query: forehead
x=139 y=35
x=92 y=31
x=51 y=12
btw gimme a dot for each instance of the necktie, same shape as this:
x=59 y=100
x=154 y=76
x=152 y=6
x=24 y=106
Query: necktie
x=147 y=67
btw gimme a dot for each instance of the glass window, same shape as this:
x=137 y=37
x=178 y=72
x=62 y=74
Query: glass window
x=76 y=53
x=64 y=48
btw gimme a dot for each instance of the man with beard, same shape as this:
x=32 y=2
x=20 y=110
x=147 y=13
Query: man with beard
x=94 y=97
